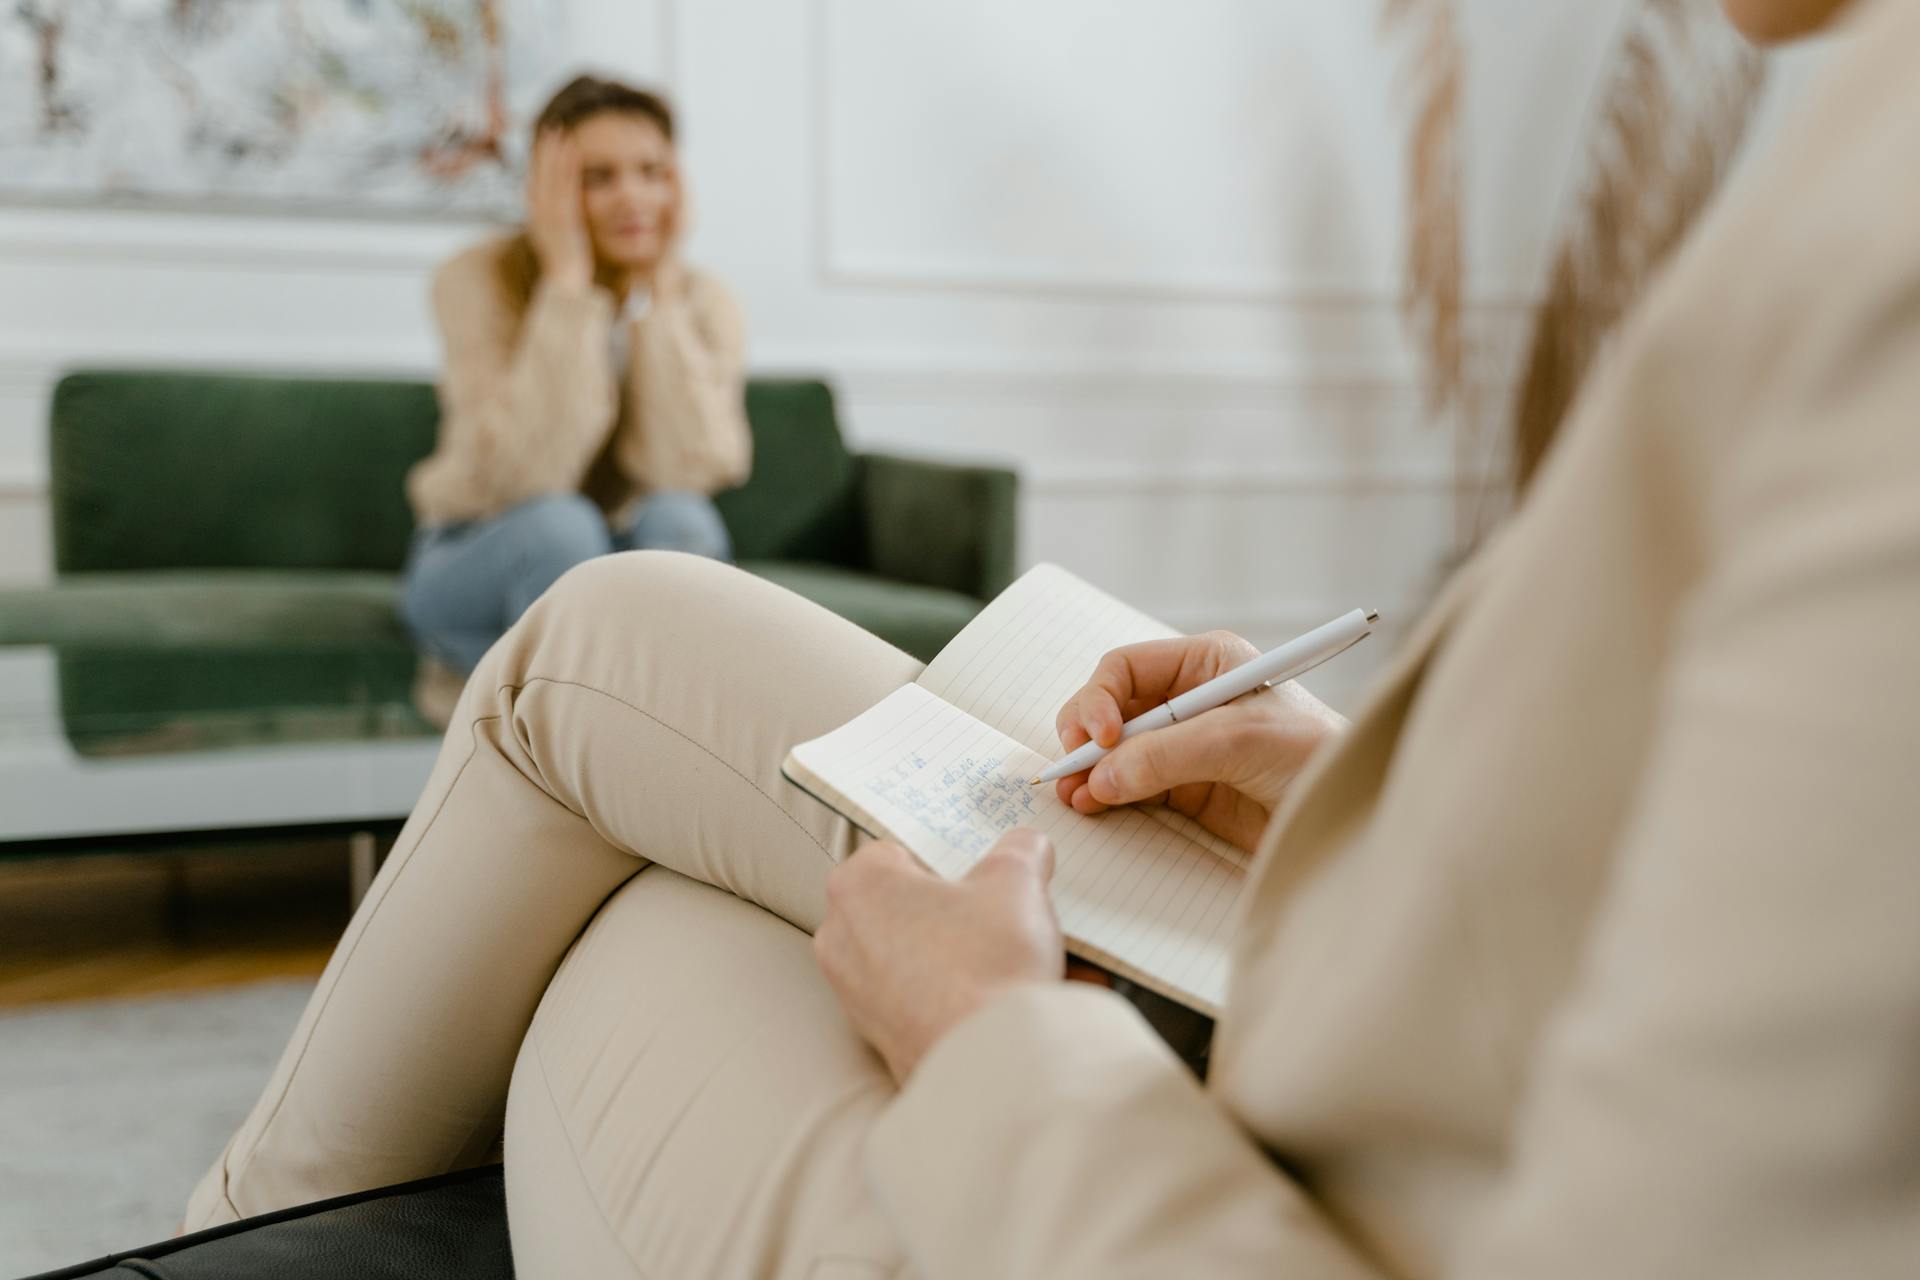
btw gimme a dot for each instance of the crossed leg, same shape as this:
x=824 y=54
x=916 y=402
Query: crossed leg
x=689 y=1085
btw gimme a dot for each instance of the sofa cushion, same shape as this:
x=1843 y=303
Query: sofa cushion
x=314 y=610
x=917 y=619
x=197 y=608
x=195 y=470
x=201 y=470
x=802 y=500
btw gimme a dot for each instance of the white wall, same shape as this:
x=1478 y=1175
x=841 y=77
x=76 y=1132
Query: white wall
x=1149 y=252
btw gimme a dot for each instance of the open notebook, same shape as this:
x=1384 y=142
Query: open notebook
x=941 y=767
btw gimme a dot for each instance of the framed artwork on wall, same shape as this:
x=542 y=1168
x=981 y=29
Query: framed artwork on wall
x=381 y=107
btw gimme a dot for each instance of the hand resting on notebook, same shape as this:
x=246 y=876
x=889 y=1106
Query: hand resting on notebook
x=1226 y=769
x=911 y=954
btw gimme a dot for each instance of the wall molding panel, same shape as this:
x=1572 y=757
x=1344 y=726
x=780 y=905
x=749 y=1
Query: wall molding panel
x=1150 y=252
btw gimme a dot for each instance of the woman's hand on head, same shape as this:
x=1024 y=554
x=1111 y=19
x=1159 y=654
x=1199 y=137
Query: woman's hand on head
x=1226 y=768
x=556 y=216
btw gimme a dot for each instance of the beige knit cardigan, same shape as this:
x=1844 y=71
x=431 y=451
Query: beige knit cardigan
x=531 y=403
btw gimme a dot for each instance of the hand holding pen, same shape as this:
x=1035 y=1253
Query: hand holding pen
x=1226 y=766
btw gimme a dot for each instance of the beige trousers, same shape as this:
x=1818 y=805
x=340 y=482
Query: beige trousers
x=593 y=931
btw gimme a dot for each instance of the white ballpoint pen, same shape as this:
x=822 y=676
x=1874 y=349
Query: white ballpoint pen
x=1294 y=658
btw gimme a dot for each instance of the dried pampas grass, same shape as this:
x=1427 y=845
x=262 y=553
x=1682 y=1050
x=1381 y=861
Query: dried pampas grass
x=1676 y=103
x=1431 y=305
x=1671 y=111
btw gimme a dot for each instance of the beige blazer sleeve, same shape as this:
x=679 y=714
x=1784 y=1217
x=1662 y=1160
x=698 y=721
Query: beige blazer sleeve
x=1731 y=1087
x=689 y=429
x=1052 y=1136
x=528 y=404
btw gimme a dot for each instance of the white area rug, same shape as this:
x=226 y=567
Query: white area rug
x=111 y=1110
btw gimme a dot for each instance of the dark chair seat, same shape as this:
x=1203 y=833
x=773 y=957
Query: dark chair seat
x=452 y=1226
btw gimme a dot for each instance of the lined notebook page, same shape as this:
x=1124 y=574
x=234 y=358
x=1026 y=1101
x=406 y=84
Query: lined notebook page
x=1131 y=892
x=1017 y=662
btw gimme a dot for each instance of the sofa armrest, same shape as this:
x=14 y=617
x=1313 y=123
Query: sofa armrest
x=939 y=524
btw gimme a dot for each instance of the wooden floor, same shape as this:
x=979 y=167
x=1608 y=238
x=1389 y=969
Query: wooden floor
x=77 y=928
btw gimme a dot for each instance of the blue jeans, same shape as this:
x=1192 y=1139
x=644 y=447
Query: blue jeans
x=465 y=583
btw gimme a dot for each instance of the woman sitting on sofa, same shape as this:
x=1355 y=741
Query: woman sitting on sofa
x=593 y=393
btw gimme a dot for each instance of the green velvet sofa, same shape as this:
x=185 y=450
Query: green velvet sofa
x=192 y=506
x=229 y=520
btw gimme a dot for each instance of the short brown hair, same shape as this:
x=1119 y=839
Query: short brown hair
x=578 y=101
x=585 y=96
